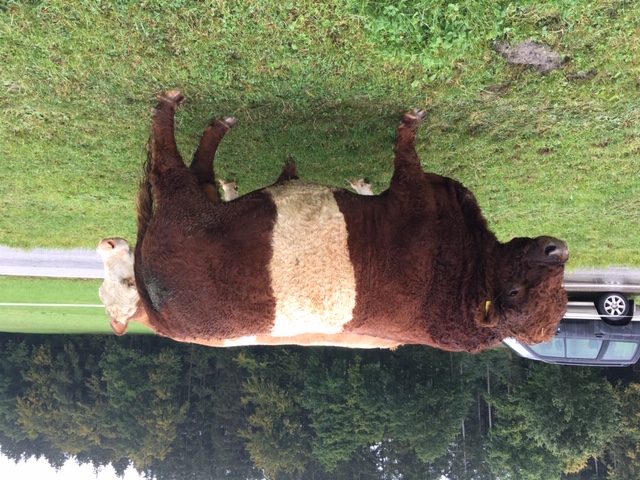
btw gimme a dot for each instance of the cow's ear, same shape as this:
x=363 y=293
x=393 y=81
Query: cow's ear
x=486 y=316
x=118 y=327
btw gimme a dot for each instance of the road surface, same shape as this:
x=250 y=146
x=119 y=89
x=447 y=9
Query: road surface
x=77 y=263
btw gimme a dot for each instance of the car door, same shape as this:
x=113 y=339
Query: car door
x=583 y=339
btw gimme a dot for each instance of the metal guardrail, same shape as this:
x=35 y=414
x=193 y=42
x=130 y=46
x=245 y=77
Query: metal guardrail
x=77 y=263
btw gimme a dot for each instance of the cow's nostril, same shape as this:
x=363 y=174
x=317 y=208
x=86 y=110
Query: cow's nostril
x=557 y=250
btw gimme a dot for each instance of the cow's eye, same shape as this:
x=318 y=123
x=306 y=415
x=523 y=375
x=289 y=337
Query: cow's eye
x=514 y=293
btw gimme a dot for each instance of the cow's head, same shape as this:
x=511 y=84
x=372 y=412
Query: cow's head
x=118 y=292
x=525 y=298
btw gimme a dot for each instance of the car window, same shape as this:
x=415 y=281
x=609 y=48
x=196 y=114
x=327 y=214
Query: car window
x=620 y=351
x=583 y=348
x=553 y=348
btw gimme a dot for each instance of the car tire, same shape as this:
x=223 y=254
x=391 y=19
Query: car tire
x=614 y=308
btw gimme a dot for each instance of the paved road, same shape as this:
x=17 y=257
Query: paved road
x=84 y=263
x=78 y=263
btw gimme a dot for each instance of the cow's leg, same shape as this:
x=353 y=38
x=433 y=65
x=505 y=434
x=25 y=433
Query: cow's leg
x=165 y=151
x=408 y=176
x=202 y=164
x=288 y=173
x=405 y=149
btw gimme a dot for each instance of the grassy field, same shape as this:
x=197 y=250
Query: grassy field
x=324 y=83
x=47 y=305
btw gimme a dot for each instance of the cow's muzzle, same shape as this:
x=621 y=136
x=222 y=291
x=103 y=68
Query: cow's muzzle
x=554 y=249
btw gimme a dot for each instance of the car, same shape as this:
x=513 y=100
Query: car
x=599 y=329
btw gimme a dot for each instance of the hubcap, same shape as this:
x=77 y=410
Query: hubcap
x=614 y=306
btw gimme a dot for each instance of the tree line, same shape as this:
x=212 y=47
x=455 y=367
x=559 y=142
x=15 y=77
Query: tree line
x=177 y=411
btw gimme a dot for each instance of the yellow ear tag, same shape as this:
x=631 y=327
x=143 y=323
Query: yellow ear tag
x=487 y=306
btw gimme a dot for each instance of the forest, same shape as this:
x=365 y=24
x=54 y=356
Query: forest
x=183 y=411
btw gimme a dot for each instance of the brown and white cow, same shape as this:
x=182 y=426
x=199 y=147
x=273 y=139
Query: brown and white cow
x=230 y=190
x=361 y=186
x=311 y=264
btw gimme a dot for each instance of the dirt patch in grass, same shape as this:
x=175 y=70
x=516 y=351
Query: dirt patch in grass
x=533 y=54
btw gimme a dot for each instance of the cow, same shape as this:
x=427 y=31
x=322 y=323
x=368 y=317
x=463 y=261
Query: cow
x=310 y=264
x=361 y=186
x=230 y=190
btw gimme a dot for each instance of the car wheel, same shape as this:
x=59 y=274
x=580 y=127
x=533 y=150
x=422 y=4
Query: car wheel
x=613 y=307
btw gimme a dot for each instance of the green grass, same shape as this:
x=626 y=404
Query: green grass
x=324 y=83
x=45 y=318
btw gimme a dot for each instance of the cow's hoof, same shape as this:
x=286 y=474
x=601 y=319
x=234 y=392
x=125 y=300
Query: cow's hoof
x=421 y=114
x=227 y=123
x=289 y=169
x=415 y=116
x=174 y=96
x=230 y=121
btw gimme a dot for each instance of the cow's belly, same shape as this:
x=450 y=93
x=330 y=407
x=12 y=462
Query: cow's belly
x=312 y=278
x=347 y=340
